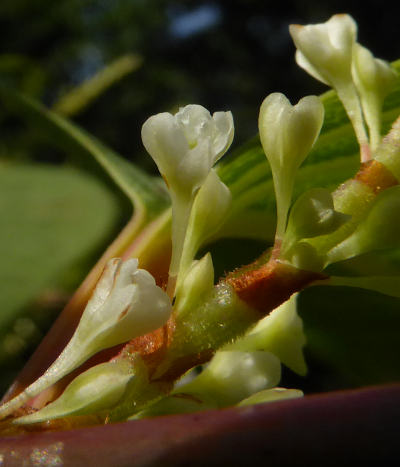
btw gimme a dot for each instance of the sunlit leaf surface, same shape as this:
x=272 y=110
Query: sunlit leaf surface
x=51 y=217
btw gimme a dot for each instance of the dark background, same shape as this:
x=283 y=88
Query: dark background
x=223 y=55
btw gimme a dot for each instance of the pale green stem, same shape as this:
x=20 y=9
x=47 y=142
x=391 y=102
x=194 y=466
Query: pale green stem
x=181 y=209
x=371 y=105
x=61 y=367
x=283 y=191
x=348 y=95
x=190 y=248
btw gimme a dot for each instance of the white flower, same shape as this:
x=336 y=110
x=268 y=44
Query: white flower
x=186 y=145
x=325 y=50
x=126 y=303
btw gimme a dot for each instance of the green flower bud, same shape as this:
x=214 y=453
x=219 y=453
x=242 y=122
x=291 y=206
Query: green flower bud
x=378 y=230
x=312 y=215
x=281 y=333
x=196 y=284
x=175 y=404
x=234 y=375
x=208 y=214
x=230 y=377
x=304 y=256
x=99 y=388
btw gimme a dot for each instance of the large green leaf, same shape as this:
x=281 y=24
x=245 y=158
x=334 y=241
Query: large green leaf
x=51 y=218
x=144 y=191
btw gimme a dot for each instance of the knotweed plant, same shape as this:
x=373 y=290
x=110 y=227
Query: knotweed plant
x=194 y=341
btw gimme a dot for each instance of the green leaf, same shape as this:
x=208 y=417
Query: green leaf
x=76 y=100
x=51 y=218
x=143 y=190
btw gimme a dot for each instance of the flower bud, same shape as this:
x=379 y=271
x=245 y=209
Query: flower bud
x=281 y=333
x=378 y=230
x=312 y=215
x=234 y=375
x=208 y=214
x=99 y=388
x=196 y=283
x=287 y=134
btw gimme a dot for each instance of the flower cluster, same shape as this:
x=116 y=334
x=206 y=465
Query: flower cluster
x=320 y=228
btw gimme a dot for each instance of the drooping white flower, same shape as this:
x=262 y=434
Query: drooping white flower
x=287 y=134
x=126 y=303
x=325 y=51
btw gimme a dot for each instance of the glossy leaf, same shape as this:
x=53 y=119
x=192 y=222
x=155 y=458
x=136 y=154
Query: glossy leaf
x=145 y=193
x=51 y=217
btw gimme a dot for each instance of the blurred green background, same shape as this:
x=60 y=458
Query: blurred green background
x=108 y=65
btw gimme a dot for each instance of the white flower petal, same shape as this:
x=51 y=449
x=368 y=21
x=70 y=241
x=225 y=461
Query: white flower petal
x=302 y=61
x=326 y=48
x=224 y=131
x=185 y=146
